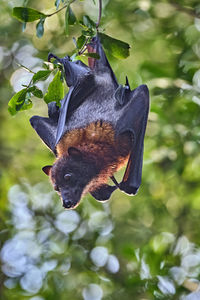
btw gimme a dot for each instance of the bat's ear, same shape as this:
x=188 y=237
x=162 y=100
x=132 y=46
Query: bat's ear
x=47 y=170
x=74 y=152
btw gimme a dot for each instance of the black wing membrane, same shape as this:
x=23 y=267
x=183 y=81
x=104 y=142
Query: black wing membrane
x=103 y=192
x=63 y=116
x=46 y=128
x=134 y=120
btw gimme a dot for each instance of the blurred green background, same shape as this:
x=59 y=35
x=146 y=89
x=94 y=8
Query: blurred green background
x=143 y=247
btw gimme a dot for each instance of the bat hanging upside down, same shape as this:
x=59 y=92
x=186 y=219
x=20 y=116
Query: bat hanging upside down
x=99 y=128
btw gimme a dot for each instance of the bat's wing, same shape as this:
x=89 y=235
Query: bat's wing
x=46 y=128
x=103 y=192
x=134 y=120
x=62 y=116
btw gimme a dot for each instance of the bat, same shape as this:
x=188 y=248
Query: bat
x=99 y=128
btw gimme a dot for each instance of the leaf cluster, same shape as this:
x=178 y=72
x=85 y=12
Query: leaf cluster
x=22 y=99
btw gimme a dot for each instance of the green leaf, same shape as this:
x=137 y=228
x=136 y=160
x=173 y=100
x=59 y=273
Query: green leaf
x=30 y=89
x=67 y=22
x=82 y=25
x=55 y=90
x=93 y=55
x=26 y=105
x=25 y=14
x=40 y=28
x=81 y=41
x=88 y=33
x=41 y=75
x=114 y=47
x=88 y=22
x=17 y=101
x=70 y=19
x=37 y=92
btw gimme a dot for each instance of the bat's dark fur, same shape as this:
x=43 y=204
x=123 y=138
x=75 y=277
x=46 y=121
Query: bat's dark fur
x=98 y=129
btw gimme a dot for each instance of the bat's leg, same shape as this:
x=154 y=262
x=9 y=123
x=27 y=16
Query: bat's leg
x=103 y=192
x=134 y=120
x=114 y=181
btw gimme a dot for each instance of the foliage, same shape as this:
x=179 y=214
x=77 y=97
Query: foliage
x=22 y=101
x=49 y=245
x=152 y=239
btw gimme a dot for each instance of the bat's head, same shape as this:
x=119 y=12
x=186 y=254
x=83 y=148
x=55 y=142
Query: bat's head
x=70 y=175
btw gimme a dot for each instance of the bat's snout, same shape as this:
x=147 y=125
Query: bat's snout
x=67 y=203
x=69 y=200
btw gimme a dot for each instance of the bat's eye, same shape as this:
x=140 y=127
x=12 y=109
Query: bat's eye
x=70 y=179
x=67 y=177
x=56 y=187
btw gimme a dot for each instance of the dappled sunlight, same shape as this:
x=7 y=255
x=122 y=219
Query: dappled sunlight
x=92 y=291
x=38 y=241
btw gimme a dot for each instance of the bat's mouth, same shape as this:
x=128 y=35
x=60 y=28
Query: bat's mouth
x=69 y=204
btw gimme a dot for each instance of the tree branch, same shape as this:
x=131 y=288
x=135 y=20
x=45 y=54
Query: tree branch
x=57 y=11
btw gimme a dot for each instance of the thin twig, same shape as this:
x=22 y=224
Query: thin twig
x=100 y=12
x=24 y=67
x=57 y=11
x=186 y=10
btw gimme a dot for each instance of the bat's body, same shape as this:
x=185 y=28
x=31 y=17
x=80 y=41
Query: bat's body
x=98 y=129
x=99 y=144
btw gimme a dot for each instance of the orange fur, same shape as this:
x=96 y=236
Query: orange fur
x=94 y=132
x=98 y=140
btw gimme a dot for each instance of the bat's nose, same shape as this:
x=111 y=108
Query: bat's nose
x=67 y=203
